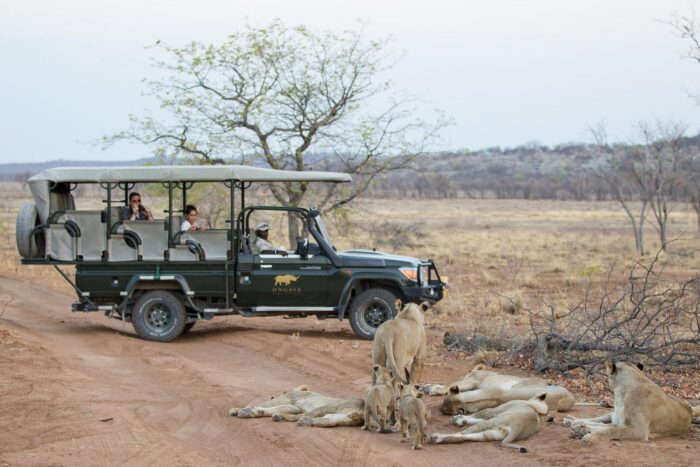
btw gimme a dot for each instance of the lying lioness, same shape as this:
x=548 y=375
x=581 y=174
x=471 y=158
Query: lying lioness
x=481 y=389
x=308 y=408
x=642 y=410
x=509 y=422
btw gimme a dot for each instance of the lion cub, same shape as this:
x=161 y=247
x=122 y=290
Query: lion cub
x=414 y=414
x=380 y=404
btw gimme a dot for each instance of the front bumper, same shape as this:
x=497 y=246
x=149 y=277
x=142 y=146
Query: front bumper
x=431 y=288
x=431 y=294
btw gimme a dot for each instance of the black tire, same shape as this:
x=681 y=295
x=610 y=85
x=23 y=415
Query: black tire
x=370 y=309
x=27 y=219
x=158 y=316
x=189 y=326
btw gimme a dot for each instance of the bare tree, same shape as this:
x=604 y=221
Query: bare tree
x=623 y=185
x=273 y=95
x=22 y=177
x=692 y=184
x=650 y=172
x=657 y=166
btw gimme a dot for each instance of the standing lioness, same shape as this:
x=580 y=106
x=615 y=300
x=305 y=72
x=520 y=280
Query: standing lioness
x=399 y=344
x=642 y=410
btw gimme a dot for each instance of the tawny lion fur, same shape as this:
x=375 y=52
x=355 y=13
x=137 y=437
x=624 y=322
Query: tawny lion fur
x=513 y=421
x=306 y=407
x=400 y=344
x=642 y=410
x=482 y=389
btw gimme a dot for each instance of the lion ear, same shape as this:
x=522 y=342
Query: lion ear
x=398 y=304
x=480 y=366
x=425 y=306
x=391 y=374
x=375 y=368
x=542 y=396
x=454 y=389
x=611 y=367
x=640 y=366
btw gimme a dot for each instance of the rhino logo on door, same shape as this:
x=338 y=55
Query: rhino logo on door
x=285 y=280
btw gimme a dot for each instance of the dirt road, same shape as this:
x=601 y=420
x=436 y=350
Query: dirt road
x=79 y=389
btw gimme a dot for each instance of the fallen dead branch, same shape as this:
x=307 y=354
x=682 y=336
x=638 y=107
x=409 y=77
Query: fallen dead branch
x=645 y=318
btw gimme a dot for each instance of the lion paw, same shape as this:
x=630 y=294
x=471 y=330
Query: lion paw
x=578 y=431
x=588 y=438
x=306 y=421
x=233 y=412
x=568 y=422
x=246 y=412
x=277 y=418
x=432 y=439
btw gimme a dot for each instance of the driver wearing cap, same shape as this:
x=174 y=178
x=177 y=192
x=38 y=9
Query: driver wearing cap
x=262 y=231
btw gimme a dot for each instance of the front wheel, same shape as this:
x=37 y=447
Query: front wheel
x=369 y=310
x=158 y=316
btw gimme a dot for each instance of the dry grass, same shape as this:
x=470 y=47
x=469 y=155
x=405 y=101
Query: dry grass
x=503 y=256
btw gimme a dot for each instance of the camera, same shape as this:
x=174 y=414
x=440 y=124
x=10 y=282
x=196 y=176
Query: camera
x=141 y=208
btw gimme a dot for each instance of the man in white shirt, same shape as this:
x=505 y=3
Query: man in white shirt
x=262 y=231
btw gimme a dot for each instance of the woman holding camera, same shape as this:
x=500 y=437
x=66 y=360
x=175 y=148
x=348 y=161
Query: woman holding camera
x=190 y=219
x=136 y=211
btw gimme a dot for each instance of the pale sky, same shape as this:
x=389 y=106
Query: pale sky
x=507 y=72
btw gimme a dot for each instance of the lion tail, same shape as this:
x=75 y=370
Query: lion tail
x=391 y=363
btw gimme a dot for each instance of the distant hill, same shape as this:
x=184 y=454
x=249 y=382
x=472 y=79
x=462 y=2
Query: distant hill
x=532 y=171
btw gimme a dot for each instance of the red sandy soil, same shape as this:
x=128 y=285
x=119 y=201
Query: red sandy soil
x=80 y=389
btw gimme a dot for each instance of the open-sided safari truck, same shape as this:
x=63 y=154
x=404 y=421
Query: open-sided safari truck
x=164 y=280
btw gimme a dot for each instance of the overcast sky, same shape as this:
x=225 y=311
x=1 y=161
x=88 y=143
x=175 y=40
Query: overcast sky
x=507 y=72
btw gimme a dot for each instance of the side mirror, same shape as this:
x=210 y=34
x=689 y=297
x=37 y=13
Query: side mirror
x=302 y=248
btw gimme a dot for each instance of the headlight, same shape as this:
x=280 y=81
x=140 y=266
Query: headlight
x=410 y=273
x=424 y=275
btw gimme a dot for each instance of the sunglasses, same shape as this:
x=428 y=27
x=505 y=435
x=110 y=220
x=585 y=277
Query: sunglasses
x=135 y=200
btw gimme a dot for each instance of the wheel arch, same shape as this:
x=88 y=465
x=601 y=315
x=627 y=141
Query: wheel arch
x=362 y=282
x=171 y=282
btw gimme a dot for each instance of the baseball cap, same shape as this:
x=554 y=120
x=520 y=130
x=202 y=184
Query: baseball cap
x=262 y=226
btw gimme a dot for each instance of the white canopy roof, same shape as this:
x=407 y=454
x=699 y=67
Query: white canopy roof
x=189 y=173
x=39 y=183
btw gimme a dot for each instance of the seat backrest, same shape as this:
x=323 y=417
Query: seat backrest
x=175 y=223
x=93 y=233
x=154 y=238
x=214 y=242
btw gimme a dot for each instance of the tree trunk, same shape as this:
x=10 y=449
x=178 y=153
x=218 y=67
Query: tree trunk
x=695 y=202
x=292 y=229
x=640 y=234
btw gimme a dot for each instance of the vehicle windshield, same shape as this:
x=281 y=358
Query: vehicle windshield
x=323 y=230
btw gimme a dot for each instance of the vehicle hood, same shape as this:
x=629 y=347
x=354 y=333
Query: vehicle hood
x=371 y=258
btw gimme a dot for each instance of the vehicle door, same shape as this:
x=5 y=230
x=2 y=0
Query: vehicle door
x=274 y=280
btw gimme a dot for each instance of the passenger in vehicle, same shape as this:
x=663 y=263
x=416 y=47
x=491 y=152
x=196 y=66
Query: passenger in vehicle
x=262 y=231
x=190 y=222
x=135 y=211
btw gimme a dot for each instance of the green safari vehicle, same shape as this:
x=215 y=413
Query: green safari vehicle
x=163 y=280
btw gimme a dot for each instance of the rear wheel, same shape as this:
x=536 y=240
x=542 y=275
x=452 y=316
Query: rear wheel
x=158 y=316
x=370 y=309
